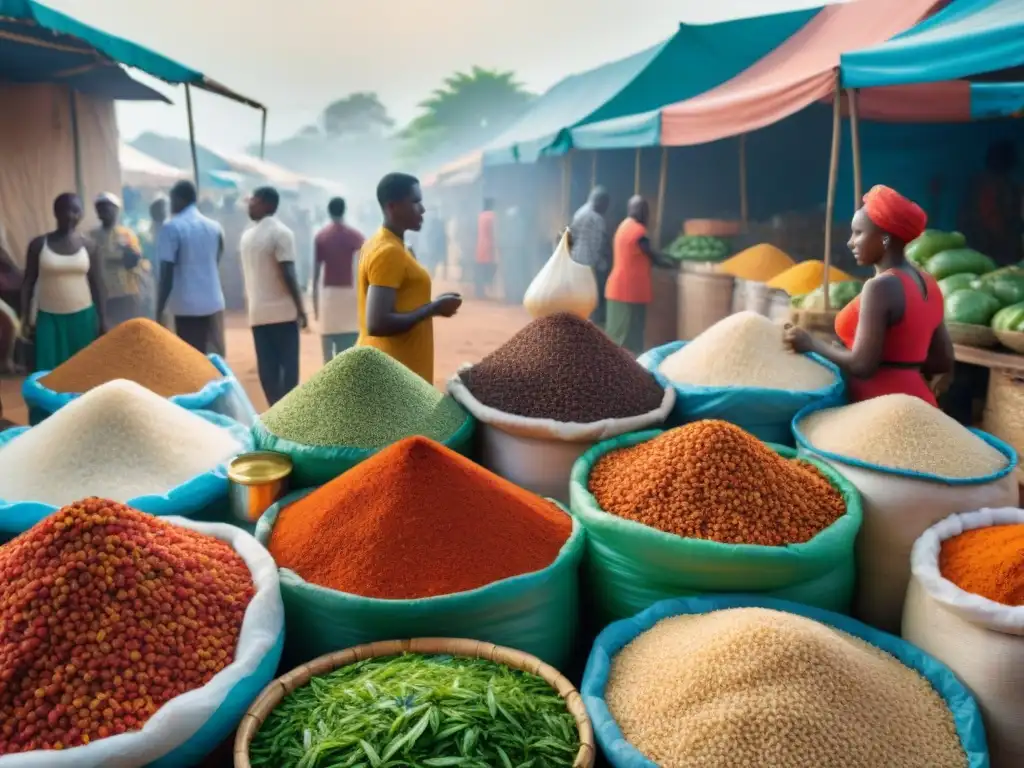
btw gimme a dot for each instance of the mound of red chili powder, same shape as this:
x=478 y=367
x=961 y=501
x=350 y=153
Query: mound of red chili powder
x=106 y=614
x=417 y=520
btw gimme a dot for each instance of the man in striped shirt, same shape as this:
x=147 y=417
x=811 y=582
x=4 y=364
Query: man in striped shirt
x=592 y=245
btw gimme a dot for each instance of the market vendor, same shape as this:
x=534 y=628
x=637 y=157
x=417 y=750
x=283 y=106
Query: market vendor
x=893 y=333
x=396 y=312
x=120 y=255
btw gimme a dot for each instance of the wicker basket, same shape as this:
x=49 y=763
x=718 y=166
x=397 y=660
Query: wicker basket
x=1012 y=339
x=474 y=649
x=1004 y=410
x=972 y=335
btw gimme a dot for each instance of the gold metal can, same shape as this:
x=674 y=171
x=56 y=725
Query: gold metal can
x=258 y=480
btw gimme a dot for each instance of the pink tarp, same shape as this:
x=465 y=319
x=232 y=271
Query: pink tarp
x=795 y=75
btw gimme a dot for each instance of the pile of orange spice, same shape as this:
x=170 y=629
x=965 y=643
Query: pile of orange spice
x=988 y=562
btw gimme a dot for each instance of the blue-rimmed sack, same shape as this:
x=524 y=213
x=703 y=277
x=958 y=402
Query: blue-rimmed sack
x=630 y=566
x=765 y=413
x=191 y=726
x=225 y=396
x=535 y=612
x=315 y=465
x=899 y=505
x=621 y=754
x=201 y=493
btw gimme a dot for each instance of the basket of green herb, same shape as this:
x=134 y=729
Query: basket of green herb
x=423 y=702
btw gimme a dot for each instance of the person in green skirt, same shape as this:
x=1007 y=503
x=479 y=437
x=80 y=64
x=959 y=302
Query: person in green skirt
x=62 y=274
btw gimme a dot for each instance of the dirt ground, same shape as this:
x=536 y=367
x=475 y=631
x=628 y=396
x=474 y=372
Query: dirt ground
x=478 y=328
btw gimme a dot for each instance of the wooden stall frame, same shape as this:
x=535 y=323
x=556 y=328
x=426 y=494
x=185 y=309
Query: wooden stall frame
x=744 y=199
x=659 y=210
x=192 y=135
x=833 y=173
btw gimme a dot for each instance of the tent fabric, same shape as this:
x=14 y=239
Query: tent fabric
x=796 y=74
x=140 y=170
x=990 y=100
x=694 y=59
x=643 y=130
x=462 y=170
x=949 y=101
x=964 y=39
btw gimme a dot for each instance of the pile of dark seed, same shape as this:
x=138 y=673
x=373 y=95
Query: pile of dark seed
x=564 y=368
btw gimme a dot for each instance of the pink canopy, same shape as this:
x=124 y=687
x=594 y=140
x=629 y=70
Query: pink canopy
x=796 y=74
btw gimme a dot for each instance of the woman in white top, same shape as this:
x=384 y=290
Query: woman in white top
x=62 y=273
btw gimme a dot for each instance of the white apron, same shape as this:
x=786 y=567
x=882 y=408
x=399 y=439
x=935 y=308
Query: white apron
x=339 y=311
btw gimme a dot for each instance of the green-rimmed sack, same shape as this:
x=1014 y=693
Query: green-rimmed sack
x=534 y=612
x=630 y=566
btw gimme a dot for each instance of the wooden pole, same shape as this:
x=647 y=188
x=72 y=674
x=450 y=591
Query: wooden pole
x=659 y=214
x=593 y=169
x=833 y=173
x=263 y=135
x=853 y=95
x=744 y=198
x=567 y=186
x=76 y=141
x=636 y=172
x=192 y=136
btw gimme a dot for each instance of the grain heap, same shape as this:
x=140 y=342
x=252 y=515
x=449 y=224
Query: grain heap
x=759 y=263
x=805 y=277
x=564 y=368
x=366 y=399
x=905 y=433
x=417 y=520
x=988 y=562
x=107 y=614
x=711 y=480
x=744 y=350
x=118 y=441
x=750 y=686
x=137 y=350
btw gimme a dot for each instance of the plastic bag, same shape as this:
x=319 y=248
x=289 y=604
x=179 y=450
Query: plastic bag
x=187 y=728
x=898 y=507
x=767 y=414
x=621 y=754
x=562 y=285
x=535 y=612
x=980 y=640
x=191 y=498
x=225 y=396
x=314 y=465
x=539 y=454
x=630 y=566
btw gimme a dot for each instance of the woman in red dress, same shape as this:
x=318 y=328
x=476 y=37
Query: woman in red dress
x=893 y=332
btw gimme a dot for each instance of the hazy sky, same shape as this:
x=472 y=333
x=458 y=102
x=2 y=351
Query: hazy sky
x=296 y=56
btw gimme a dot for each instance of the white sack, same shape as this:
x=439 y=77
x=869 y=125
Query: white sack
x=562 y=285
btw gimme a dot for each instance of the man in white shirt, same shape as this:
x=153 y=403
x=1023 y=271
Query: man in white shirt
x=276 y=312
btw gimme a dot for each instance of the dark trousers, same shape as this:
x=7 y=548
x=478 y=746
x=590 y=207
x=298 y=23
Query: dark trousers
x=483 y=278
x=200 y=332
x=277 y=358
x=601 y=313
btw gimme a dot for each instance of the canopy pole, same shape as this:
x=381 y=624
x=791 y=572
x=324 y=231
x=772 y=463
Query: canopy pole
x=263 y=134
x=636 y=172
x=76 y=141
x=567 y=186
x=853 y=95
x=744 y=198
x=192 y=136
x=659 y=213
x=593 y=169
x=833 y=173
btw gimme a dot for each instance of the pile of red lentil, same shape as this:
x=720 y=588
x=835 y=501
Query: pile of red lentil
x=106 y=614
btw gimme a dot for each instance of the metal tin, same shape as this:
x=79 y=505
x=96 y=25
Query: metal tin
x=258 y=480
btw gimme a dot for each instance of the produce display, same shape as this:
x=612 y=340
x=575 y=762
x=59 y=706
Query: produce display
x=417 y=520
x=698 y=248
x=107 y=614
x=118 y=440
x=1006 y=285
x=744 y=349
x=1009 y=318
x=953 y=283
x=957 y=261
x=804 y=277
x=971 y=307
x=711 y=480
x=138 y=350
x=416 y=710
x=759 y=263
x=902 y=432
x=839 y=295
x=751 y=686
x=564 y=368
x=988 y=562
x=382 y=402
x=931 y=242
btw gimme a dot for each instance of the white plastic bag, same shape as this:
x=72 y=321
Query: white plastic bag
x=562 y=285
x=180 y=719
x=980 y=640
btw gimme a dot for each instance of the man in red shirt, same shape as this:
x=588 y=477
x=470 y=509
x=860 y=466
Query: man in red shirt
x=485 y=250
x=335 y=301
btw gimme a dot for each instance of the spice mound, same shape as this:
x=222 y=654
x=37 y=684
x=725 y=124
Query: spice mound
x=902 y=432
x=417 y=520
x=759 y=263
x=419 y=710
x=712 y=480
x=744 y=350
x=805 y=277
x=564 y=368
x=988 y=562
x=107 y=614
x=364 y=398
x=137 y=350
x=118 y=441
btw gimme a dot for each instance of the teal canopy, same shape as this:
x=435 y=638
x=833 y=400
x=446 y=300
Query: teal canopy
x=990 y=100
x=695 y=59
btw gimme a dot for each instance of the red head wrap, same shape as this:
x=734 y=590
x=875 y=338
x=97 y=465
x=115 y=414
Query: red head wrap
x=895 y=214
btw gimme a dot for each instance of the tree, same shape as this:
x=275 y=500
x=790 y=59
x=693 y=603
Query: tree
x=469 y=109
x=359 y=112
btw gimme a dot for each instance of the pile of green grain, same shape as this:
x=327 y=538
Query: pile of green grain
x=364 y=398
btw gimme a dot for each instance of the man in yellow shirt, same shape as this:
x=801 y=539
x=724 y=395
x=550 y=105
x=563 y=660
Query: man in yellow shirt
x=396 y=313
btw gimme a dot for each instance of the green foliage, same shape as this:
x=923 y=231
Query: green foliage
x=357 y=113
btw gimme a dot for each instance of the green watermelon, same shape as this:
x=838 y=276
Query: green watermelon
x=1009 y=318
x=1008 y=287
x=971 y=307
x=839 y=295
x=931 y=242
x=957 y=282
x=958 y=261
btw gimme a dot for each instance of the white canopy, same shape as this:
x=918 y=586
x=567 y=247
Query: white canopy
x=140 y=170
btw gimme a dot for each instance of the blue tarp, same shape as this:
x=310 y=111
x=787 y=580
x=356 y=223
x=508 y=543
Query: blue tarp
x=965 y=39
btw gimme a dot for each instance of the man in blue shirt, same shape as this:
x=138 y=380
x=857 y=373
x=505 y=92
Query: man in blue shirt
x=190 y=246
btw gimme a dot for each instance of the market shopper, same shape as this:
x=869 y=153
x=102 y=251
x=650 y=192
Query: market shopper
x=336 y=253
x=276 y=312
x=486 y=251
x=120 y=256
x=591 y=245
x=10 y=287
x=628 y=291
x=893 y=333
x=63 y=278
x=396 y=312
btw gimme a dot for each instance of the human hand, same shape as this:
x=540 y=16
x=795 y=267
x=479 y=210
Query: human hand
x=797 y=339
x=447 y=304
x=303 y=321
